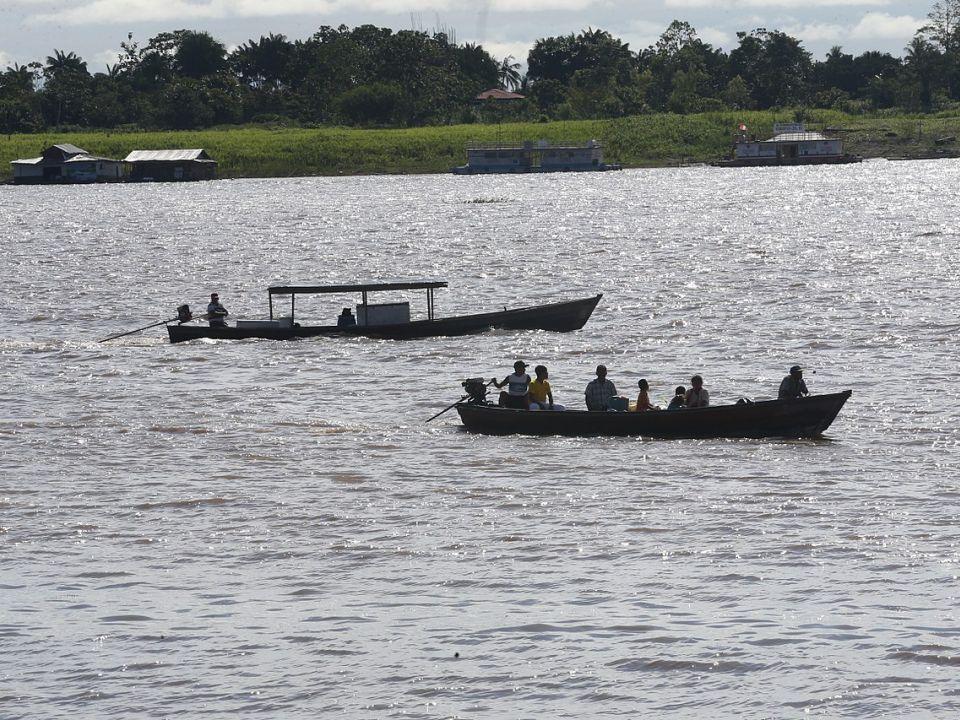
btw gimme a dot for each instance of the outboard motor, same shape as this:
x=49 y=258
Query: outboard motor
x=476 y=388
x=184 y=314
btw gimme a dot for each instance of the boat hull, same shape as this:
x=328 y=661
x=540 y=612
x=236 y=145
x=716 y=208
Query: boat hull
x=789 y=161
x=557 y=317
x=795 y=418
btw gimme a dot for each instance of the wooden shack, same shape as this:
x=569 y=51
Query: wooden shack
x=65 y=163
x=170 y=165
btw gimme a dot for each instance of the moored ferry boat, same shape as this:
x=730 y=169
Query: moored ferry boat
x=534 y=157
x=791 y=144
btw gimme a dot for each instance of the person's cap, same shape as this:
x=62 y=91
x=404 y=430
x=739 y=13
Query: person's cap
x=520 y=364
x=795 y=369
x=213 y=295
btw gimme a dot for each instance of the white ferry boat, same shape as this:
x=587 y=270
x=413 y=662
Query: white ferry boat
x=534 y=157
x=791 y=144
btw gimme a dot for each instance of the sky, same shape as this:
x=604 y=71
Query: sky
x=30 y=30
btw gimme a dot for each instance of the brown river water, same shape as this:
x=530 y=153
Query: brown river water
x=270 y=529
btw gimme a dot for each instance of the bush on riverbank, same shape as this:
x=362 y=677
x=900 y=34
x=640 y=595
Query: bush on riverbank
x=640 y=141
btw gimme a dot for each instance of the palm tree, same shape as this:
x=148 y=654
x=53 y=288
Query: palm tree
x=64 y=62
x=509 y=74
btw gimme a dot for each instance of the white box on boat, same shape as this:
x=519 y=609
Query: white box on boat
x=284 y=322
x=383 y=313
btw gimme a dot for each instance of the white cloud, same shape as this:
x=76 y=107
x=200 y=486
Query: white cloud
x=817 y=32
x=716 y=37
x=739 y=4
x=881 y=25
x=104 y=58
x=89 y=12
x=86 y=12
x=535 y=6
x=5 y=60
x=500 y=50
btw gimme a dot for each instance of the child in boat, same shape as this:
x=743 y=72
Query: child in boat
x=643 y=399
x=679 y=398
x=541 y=397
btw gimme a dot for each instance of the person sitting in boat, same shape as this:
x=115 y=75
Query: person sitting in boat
x=518 y=386
x=793 y=386
x=643 y=399
x=600 y=392
x=346 y=318
x=679 y=398
x=216 y=312
x=697 y=396
x=541 y=397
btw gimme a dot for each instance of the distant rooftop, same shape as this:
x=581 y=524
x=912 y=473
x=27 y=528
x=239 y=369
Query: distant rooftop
x=167 y=155
x=498 y=94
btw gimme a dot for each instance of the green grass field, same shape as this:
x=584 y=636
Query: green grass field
x=640 y=141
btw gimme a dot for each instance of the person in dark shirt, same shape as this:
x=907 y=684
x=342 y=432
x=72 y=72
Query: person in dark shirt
x=793 y=386
x=679 y=397
x=216 y=312
x=346 y=318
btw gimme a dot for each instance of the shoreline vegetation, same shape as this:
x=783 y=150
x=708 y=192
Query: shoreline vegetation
x=641 y=141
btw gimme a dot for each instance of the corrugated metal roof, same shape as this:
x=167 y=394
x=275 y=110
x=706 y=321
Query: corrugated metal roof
x=27 y=161
x=166 y=155
x=87 y=157
x=68 y=149
x=798 y=136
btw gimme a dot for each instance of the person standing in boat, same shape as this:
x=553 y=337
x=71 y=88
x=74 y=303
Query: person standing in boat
x=541 y=396
x=697 y=396
x=518 y=387
x=793 y=386
x=216 y=312
x=599 y=392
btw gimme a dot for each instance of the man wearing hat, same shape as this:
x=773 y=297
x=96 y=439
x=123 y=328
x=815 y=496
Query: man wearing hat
x=518 y=386
x=216 y=312
x=793 y=386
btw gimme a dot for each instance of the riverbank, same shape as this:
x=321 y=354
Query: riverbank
x=640 y=141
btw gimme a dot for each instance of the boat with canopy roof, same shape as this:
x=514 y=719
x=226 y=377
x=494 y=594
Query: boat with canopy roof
x=384 y=320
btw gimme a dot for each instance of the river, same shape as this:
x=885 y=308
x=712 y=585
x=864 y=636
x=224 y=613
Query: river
x=271 y=529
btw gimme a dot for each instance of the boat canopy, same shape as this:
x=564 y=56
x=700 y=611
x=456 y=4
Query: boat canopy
x=364 y=288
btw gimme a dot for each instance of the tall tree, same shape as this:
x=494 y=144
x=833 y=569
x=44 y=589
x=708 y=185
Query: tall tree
x=775 y=65
x=509 y=74
x=943 y=33
x=66 y=87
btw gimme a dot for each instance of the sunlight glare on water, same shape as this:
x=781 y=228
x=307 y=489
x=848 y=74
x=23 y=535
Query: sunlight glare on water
x=257 y=528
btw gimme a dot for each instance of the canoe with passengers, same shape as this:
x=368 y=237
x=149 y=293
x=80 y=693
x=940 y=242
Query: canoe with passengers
x=387 y=320
x=803 y=417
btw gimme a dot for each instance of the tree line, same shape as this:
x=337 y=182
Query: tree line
x=375 y=77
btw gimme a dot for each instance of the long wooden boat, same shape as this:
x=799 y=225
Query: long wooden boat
x=392 y=320
x=805 y=417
